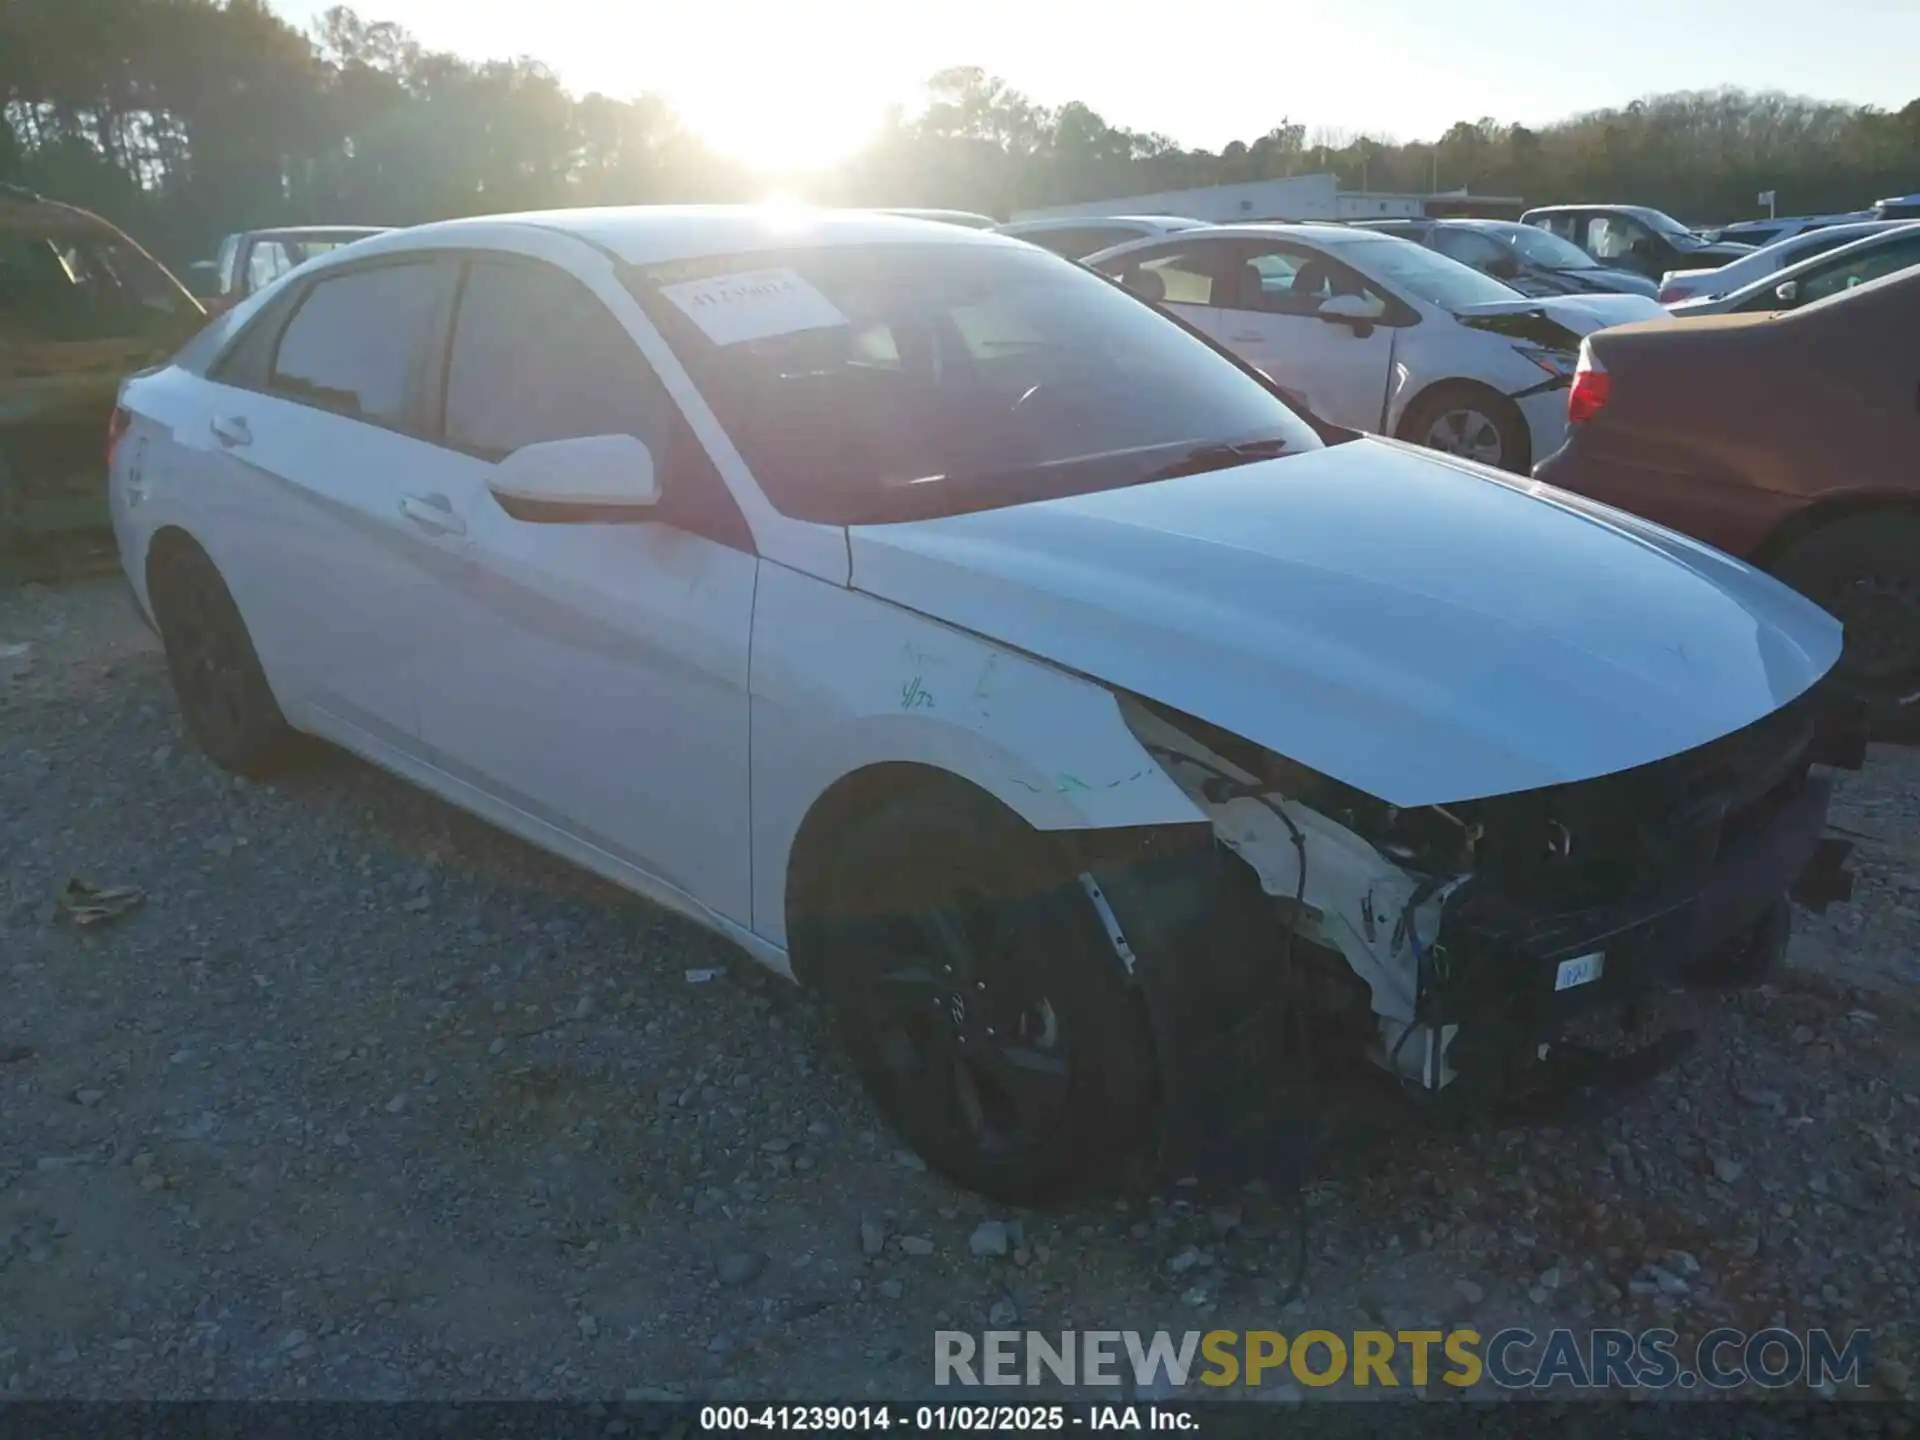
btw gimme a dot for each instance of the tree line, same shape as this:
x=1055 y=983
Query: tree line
x=184 y=119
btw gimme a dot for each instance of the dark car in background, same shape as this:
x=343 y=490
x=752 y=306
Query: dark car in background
x=1787 y=438
x=1532 y=260
x=81 y=308
x=1646 y=241
x=253 y=259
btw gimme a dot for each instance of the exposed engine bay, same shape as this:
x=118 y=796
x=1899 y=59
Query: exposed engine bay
x=1476 y=931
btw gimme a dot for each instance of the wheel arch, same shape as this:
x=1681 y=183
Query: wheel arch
x=836 y=807
x=1825 y=511
x=1480 y=390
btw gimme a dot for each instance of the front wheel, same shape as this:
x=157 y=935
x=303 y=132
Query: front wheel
x=1470 y=422
x=980 y=1000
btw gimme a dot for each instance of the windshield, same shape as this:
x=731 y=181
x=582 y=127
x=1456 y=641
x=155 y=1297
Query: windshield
x=1664 y=224
x=1546 y=249
x=1425 y=273
x=871 y=383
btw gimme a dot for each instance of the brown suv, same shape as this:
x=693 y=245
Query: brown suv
x=81 y=307
x=1790 y=439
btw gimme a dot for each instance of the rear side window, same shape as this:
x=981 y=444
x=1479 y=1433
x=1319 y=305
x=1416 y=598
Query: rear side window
x=536 y=356
x=360 y=343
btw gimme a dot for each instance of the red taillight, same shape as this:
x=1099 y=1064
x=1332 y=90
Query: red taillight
x=1672 y=294
x=1591 y=388
x=116 y=427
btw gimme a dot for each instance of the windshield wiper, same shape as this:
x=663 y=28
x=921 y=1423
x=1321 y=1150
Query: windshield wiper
x=1220 y=456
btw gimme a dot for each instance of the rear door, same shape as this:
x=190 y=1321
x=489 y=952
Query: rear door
x=589 y=677
x=1271 y=296
x=312 y=429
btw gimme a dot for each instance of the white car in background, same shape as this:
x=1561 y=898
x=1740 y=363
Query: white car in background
x=1678 y=286
x=1892 y=246
x=958 y=635
x=1371 y=332
x=1078 y=236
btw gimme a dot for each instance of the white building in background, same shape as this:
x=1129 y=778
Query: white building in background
x=1303 y=197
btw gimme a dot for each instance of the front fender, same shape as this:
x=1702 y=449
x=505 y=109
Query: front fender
x=843 y=681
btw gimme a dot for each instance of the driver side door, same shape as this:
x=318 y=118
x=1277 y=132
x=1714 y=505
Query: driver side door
x=1270 y=308
x=583 y=680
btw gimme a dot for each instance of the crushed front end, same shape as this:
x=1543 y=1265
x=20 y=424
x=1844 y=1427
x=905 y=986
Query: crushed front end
x=1455 y=945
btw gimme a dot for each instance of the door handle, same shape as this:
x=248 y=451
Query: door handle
x=1245 y=339
x=231 y=430
x=432 y=512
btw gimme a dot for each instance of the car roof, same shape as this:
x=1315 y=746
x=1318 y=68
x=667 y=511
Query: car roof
x=23 y=209
x=651 y=234
x=1081 y=222
x=970 y=218
x=1594 y=205
x=1325 y=233
x=299 y=232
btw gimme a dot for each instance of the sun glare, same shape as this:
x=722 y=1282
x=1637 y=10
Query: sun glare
x=772 y=121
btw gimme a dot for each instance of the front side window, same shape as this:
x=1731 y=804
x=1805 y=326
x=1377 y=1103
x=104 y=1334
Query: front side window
x=359 y=343
x=266 y=263
x=1853 y=271
x=1285 y=280
x=536 y=357
x=870 y=383
x=1613 y=237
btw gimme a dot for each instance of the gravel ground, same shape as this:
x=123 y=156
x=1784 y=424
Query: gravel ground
x=368 y=1100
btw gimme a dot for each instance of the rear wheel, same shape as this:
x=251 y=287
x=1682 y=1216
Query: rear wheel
x=979 y=998
x=1471 y=422
x=223 y=694
x=1865 y=571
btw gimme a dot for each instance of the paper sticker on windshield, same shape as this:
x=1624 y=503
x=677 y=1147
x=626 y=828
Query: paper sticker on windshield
x=752 y=305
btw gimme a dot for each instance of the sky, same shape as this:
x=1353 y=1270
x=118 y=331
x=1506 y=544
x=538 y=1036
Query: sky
x=791 y=84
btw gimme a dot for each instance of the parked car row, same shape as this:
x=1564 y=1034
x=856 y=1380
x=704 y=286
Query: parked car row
x=1375 y=333
x=1797 y=271
x=999 y=653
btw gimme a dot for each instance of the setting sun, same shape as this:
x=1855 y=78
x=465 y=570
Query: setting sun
x=772 y=116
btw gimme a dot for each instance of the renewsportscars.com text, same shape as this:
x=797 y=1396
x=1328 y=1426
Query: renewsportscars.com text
x=1512 y=1359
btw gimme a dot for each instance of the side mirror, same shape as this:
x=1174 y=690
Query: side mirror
x=593 y=480
x=1787 y=292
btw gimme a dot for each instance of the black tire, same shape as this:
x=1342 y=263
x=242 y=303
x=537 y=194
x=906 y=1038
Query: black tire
x=980 y=999
x=1865 y=571
x=224 y=698
x=1474 y=417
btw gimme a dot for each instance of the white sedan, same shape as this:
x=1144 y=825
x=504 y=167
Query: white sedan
x=1376 y=333
x=1678 y=287
x=956 y=634
x=1884 y=250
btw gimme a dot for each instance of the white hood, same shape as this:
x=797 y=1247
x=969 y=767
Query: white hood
x=1582 y=314
x=1420 y=628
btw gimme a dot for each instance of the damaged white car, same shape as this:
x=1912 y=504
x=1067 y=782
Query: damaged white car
x=956 y=633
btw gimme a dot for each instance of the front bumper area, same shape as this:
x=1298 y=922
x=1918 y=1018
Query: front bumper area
x=1505 y=964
